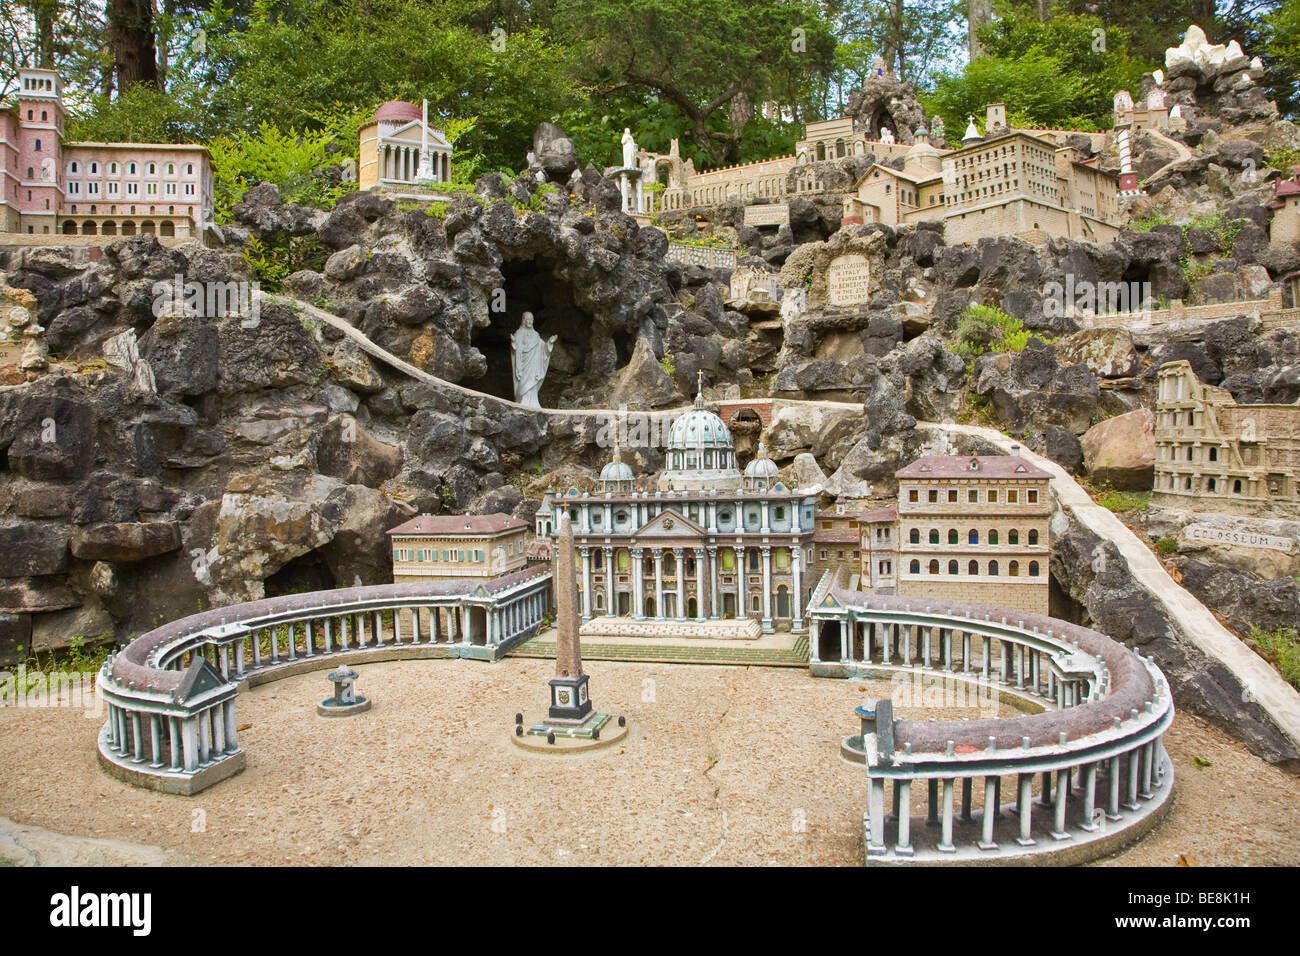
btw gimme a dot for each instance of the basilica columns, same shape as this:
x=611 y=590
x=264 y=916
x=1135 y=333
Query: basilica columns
x=767 y=584
x=587 y=596
x=638 y=583
x=714 y=596
x=611 y=597
x=701 y=596
x=659 y=582
x=680 y=567
x=796 y=562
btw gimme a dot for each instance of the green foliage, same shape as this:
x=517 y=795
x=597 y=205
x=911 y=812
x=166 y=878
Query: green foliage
x=271 y=262
x=1166 y=546
x=83 y=654
x=1150 y=221
x=143 y=114
x=666 y=363
x=1284 y=160
x=1283 y=647
x=1048 y=73
x=986 y=328
x=1123 y=501
x=295 y=161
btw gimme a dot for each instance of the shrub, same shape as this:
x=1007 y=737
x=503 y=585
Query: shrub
x=1122 y=501
x=986 y=328
x=1166 y=546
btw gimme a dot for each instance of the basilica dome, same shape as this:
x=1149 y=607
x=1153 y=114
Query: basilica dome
x=700 y=452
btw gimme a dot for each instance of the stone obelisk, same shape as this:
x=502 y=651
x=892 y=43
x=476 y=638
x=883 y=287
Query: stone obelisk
x=570 y=701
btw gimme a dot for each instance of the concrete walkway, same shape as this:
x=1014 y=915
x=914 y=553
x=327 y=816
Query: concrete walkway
x=1279 y=699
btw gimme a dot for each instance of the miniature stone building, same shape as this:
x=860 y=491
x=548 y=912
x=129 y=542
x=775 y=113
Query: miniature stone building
x=1213 y=454
x=974 y=529
x=459 y=547
x=712 y=546
x=1012 y=183
x=94 y=189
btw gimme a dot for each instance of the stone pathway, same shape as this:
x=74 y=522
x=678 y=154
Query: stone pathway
x=1278 y=698
x=33 y=846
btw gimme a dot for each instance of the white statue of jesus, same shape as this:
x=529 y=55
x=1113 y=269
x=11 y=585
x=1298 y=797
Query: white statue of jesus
x=629 y=149
x=530 y=357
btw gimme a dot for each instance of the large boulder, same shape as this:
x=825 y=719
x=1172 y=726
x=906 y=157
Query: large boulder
x=644 y=381
x=1122 y=450
x=553 y=151
x=125 y=541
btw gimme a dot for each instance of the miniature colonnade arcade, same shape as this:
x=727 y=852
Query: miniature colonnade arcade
x=170 y=694
x=1096 y=748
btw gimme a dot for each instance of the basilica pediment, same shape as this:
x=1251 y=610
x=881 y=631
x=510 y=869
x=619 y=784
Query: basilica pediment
x=669 y=524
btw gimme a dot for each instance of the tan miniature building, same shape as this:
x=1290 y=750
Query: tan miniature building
x=974 y=529
x=1285 y=224
x=1216 y=455
x=1014 y=183
x=866 y=541
x=460 y=547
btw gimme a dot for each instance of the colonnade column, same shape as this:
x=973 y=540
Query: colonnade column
x=796 y=565
x=638 y=583
x=659 y=582
x=587 y=601
x=611 y=597
x=767 y=586
x=680 y=566
x=701 y=596
x=715 y=596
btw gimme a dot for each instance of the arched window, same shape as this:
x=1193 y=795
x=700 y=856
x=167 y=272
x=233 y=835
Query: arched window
x=993 y=536
x=1033 y=536
x=38 y=146
x=1212 y=485
x=953 y=537
x=1214 y=454
x=952 y=567
x=1013 y=536
x=973 y=568
x=972 y=536
x=915 y=567
x=88 y=228
x=1236 y=486
x=168 y=228
x=934 y=535
x=993 y=568
x=128 y=228
x=598 y=559
x=1033 y=569
x=914 y=536
x=1013 y=569
x=934 y=567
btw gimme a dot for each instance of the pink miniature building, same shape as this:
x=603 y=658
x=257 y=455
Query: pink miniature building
x=49 y=187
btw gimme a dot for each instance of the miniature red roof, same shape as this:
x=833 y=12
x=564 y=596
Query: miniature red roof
x=1286 y=187
x=971 y=466
x=460 y=524
x=399 y=111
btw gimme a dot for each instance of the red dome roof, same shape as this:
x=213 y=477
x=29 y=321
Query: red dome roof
x=398 y=111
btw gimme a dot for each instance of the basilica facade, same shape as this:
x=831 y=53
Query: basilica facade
x=713 y=551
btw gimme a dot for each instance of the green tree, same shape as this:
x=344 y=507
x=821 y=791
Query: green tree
x=711 y=60
x=1055 y=72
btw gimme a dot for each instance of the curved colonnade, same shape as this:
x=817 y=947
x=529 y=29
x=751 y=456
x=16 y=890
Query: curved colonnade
x=170 y=694
x=1092 y=761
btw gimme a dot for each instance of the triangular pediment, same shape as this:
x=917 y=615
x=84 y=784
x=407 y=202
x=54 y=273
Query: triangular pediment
x=669 y=524
x=410 y=134
x=200 y=677
x=829 y=601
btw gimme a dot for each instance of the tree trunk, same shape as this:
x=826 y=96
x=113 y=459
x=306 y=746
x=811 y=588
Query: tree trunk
x=978 y=13
x=46 y=13
x=130 y=37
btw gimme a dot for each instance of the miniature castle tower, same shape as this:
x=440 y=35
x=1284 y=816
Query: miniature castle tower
x=1128 y=184
x=570 y=700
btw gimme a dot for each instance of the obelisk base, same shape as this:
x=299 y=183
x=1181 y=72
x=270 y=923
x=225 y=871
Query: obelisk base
x=570 y=702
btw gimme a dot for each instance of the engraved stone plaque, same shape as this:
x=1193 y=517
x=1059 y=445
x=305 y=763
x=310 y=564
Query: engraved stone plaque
x=848 y=280
x=770 y=214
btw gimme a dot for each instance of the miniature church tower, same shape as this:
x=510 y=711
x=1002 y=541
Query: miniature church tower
x=570 y=701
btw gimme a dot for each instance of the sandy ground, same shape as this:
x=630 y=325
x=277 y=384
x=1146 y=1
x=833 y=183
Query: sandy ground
x=723 y=765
